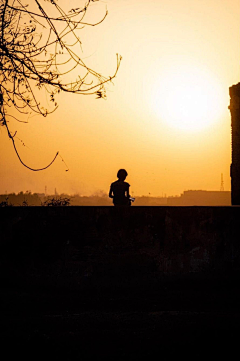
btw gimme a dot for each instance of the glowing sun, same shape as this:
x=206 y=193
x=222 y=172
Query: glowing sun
x=189 y=99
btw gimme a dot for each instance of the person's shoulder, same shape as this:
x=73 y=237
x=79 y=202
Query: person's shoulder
x=113 y=183
x=127 y=184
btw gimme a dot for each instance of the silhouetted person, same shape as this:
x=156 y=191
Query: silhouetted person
x=119 y=190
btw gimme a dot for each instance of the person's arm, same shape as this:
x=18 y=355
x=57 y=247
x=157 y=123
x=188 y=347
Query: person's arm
x=111 y=192
x=128 y=192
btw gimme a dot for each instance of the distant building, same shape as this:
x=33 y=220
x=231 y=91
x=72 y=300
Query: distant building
x=234 y=107
x=201 y=198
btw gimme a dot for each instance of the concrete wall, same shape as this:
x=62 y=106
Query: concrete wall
x=84 y=247
x=234 y=107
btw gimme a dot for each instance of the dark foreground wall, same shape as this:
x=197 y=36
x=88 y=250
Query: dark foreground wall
x=89 y=283
x=91 y=247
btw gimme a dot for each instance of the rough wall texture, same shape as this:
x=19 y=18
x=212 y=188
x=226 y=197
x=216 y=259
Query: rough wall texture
x=84 y=247
x=234 y=107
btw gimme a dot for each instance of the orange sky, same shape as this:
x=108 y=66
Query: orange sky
x=175 y=53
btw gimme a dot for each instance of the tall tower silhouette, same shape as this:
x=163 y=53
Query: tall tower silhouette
x=222 y=184
x=234 y=107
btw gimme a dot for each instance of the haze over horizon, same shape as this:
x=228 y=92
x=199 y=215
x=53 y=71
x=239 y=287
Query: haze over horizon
x=166 y=118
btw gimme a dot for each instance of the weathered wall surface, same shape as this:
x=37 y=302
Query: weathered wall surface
x=234 y=107
x=82 y=247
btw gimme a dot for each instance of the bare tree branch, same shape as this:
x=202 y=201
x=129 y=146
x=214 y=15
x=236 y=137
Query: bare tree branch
x=38 y=52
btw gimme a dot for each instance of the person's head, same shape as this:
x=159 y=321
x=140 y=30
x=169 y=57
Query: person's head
x=122 y=174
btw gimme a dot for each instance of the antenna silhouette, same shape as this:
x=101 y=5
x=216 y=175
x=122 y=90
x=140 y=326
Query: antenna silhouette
x=222 y=184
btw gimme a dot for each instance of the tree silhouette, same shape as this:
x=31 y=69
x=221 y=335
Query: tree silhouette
x=39 y=51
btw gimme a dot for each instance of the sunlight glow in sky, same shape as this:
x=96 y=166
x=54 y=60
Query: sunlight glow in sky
x=188 y=98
